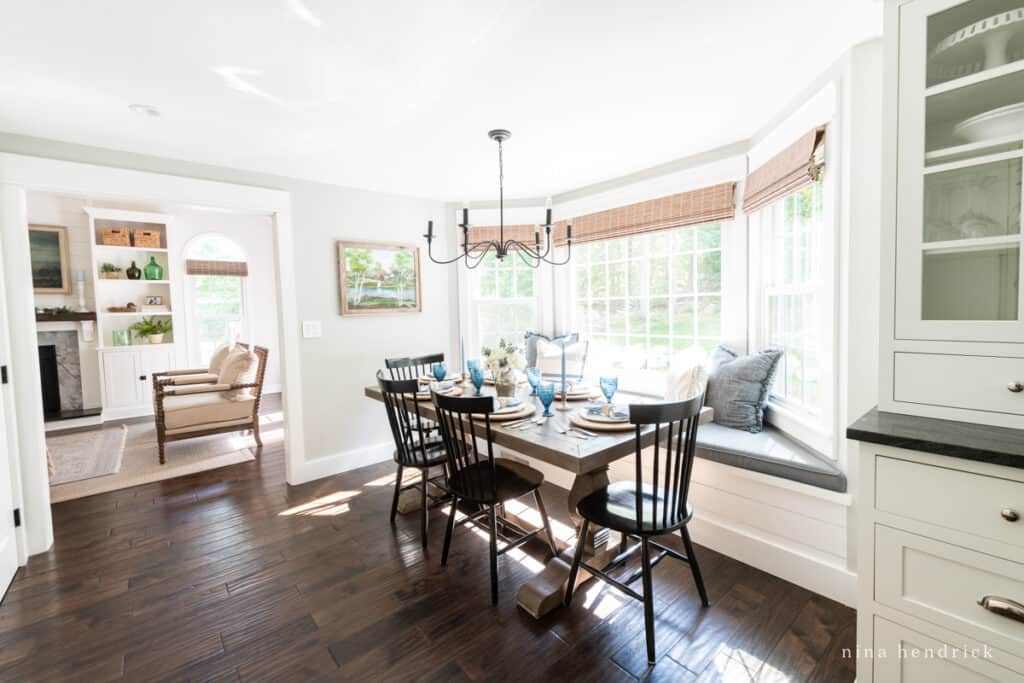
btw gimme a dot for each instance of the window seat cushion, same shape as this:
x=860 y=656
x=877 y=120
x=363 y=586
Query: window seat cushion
x=769 y=452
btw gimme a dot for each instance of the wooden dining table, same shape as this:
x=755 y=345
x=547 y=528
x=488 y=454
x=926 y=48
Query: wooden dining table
x=587 y=460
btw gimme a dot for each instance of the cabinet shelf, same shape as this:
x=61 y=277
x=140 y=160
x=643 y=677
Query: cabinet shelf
x=114 y=248
x=974 y=79
x=975 y=244
x=141 y=282
x=972 y=150
x=134 y=314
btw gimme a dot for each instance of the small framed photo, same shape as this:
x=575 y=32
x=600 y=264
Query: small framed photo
x=154 y=301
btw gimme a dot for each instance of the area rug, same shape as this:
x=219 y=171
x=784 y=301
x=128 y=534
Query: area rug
x=85 y=455
x=141 y=461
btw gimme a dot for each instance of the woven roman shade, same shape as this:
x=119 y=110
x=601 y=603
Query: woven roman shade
x=201 y=267
x=792 y=169
x=485 y=233
x=706 y=205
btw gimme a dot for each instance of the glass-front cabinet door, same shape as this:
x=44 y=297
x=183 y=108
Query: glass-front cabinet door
x=961 y=128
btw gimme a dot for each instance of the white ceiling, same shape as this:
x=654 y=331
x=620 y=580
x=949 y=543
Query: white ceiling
x=398 y=95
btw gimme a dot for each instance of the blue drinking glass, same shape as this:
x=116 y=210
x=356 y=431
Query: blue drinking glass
x=440 y=371
x=476 y=375
x=609 y=385
x=533 y=376
x=546 y=393
x=472 y=363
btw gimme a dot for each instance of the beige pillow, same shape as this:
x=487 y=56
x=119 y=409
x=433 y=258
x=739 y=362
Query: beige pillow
x=688 y=376
x=218 y=358
x=239 y=367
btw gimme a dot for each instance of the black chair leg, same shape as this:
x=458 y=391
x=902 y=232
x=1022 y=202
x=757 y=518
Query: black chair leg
x=576 y=559
x=645 y=557
x=423 y=507
x=398 y=490
x=547 y=522
x=449 y=530
x=622 y=542
x=694 y=567
x=494 y=556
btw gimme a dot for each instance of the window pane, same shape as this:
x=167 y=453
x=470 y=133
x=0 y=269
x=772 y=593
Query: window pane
x=598 y=318
x=659 y=316
x=682 y=318
x=616 y=249
x=504 y=276
x=524 y=281
x=682 y=240
x=709 y=236
x=682 y=274
x=488 y=282
x=709 y=271
x=636 y=278
x=598 y=280
x=617 y=315
x=659 y=275
x=617 y=279
x=710 y=316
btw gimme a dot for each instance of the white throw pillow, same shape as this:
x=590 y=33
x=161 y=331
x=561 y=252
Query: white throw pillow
x=220 y=354
x=549 y=359
x=688 y=374
x=239 y=367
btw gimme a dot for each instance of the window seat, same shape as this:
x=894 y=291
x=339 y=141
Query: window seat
x=769 y=452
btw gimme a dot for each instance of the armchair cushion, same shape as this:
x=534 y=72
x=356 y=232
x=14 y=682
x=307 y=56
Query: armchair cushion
x=195 y=410
x=220 y=354
x=240 y=367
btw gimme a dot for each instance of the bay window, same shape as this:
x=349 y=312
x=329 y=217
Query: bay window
x=503 y=301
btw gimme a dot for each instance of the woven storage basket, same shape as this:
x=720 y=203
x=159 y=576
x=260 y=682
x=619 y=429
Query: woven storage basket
x=117 y=237
x=147 y=238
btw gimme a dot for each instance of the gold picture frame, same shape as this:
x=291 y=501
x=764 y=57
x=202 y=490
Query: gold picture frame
x=378 y=278
x=51 y=266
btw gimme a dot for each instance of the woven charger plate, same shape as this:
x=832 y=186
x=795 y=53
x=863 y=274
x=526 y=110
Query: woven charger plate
x=454 y=391
x=526 y=410
x=592 y=395
x=581 y=421
x=427 y=379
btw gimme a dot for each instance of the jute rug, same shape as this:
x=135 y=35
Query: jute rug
x=140 y=463
x=85 y=455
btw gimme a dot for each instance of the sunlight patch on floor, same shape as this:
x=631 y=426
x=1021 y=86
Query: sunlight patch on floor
x=326 y=506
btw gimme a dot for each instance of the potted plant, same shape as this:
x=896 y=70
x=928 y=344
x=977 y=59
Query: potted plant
x=108 y=271
x=153 y=329
x=503 y=363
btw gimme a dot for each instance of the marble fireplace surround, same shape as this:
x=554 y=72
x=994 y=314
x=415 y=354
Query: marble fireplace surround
x=69 y=366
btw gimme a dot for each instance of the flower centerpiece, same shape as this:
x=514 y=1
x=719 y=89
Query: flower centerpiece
x=503 y=362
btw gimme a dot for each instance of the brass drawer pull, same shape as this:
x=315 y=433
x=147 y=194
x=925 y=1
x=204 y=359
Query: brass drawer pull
x=1009 y=514
x=1004 y=607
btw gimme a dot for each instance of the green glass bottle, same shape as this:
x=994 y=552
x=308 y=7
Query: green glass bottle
x=153 y=270
x=133 y=272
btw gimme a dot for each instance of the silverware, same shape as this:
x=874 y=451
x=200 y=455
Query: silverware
x=584 y=432
x=536 y=422
x=568 y=430
x=516 y=423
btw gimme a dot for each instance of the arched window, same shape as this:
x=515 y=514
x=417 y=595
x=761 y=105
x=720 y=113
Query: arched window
x=215 y=286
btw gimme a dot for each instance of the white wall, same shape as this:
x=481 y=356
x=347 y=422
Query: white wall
x=254 y=234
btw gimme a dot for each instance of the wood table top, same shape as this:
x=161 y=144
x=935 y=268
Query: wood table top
x=545 y=442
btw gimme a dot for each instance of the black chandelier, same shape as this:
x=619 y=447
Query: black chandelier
x=475 y=252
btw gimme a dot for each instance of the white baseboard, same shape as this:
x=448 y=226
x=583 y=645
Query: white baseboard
x=329 y=465
x=831 y=580
x=271 y=389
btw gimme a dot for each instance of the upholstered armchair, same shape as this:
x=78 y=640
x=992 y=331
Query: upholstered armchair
x=204 y=401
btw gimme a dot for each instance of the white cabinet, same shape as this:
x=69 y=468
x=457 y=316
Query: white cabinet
x=937 y=536
x=952 y=211
x=127 y=378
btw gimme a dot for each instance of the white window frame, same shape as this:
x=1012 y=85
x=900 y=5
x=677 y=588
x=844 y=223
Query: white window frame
x=814 y=429
x=192 y=307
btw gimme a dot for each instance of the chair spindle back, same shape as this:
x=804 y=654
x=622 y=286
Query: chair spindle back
x=459 y=420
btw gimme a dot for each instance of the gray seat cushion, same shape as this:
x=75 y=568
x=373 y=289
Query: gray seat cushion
x=738 y=386
x=769 y=452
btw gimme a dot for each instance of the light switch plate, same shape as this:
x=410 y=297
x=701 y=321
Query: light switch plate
x=311 y=329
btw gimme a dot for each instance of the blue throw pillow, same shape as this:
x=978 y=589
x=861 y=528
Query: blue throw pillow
x=739 y=386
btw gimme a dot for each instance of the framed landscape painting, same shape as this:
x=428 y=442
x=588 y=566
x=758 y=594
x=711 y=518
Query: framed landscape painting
x=378 y=277
x=48 y=247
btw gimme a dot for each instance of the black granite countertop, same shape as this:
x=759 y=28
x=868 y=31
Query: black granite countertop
x=996 y=445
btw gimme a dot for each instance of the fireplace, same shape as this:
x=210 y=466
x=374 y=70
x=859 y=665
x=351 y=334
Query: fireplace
x=49 y=378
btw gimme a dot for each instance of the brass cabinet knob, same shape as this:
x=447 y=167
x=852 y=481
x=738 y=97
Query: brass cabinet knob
x=1009 y=515
x=1015 y=387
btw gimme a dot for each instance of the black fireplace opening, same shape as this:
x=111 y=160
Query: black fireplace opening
x=49 y=379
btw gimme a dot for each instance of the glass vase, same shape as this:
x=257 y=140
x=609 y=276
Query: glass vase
x=153 y=270
x=505 y=382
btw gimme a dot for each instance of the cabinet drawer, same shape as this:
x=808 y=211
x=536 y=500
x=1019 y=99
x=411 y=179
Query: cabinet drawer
x=952 y=381
x=942 y=583
x=965 y=502
x=902 y=655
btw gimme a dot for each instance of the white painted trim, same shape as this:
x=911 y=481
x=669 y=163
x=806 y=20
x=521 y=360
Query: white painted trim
x=329 y=465
x=106 y=183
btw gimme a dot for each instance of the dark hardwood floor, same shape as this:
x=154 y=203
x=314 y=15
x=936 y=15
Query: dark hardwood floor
x=233 y=575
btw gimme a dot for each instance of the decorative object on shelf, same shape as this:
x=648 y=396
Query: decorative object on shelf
x=133 y=272
x=152 y=329
x=973 y=202
x=80 y=290
x=127 y=308
x=976 y=47
x=116 y=237
x=1001 y=122
x=154 y=304
x=108 y=271
x=153 y=270
x=48 y=249
x=121 y=337
x=147 y=238
x=378 y=277
x=474 y=252
x=503 y=362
